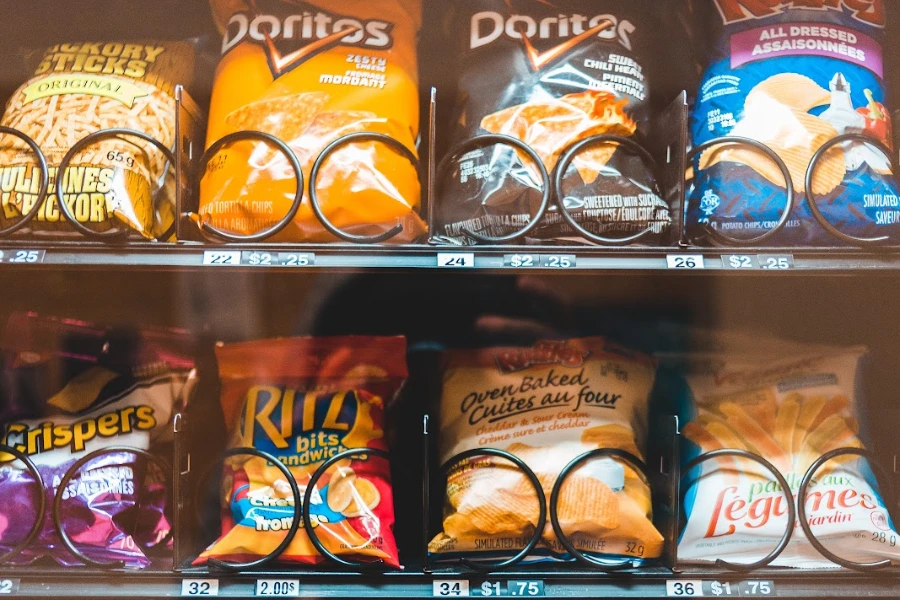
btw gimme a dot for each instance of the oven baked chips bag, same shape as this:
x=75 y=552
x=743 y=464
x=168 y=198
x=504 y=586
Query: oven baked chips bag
x=78 y=89
x=547 y=405
x=551 y=74
x=789 y=408
x=71 y=388
x=793 y=75
x=305 y=400
x=310 y=73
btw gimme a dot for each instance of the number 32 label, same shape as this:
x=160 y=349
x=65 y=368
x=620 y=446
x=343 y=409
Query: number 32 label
x=200 y=587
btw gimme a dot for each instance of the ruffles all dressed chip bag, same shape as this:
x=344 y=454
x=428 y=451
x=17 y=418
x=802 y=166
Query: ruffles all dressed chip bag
x=303 y=401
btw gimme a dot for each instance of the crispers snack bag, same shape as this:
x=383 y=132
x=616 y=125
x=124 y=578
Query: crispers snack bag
x=70 y=389
x=789 y=410
x=305 y=400
x=310 y=73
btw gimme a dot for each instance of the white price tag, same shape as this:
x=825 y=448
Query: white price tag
x=200 y=587
x=684 y=589
x=221 y=257
x=685 y=261
x=456 y=260
x=24 y=257
x=282 y=588
x=449 y=588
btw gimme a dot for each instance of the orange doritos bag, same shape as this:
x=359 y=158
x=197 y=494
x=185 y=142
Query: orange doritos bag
x=304 y=401
x=310 y=73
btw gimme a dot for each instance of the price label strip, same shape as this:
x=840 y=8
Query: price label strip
x=740 y=262
x=720 y=589
x=559 y=261
x=277 y=259
x=776 y=262
x=200 y=587
x=22 y=257
x=9 y=586
x=511 y=588
x=450 y=588
x=522 y=261
x=278 y=588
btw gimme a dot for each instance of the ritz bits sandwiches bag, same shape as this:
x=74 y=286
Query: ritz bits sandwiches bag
x=794 y=75
x=790 y=411
x=551 y=74
x=547 y=405
x=305 y=400
x=78 y=89
x=70 y=389
x=310 y=73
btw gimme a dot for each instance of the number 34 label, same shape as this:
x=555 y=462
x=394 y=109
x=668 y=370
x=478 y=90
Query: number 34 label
x=450 y=588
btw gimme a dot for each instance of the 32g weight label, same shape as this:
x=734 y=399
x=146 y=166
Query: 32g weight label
x=450 y=588
x=279 y=588
x=200 y=587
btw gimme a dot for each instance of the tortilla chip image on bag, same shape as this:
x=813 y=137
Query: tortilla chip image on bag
x=793 y=77
x=789 y=410
x=310 y=73
x=78 y=89
x=551 y=74
x=304 y=401
x=71 y=389
x=546 y=404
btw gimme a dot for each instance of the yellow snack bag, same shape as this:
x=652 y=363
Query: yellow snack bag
x=310 y=73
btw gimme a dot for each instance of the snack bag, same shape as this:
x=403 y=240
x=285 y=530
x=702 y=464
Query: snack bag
x=551 y=75
x=789 y=411
x=547 y=405
x=310 y=73
x=81 y=88
x=305 y=400
x=793 y=75
x=72 y=388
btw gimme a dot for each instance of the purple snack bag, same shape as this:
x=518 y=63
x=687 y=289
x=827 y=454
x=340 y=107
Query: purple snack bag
x=85 y=388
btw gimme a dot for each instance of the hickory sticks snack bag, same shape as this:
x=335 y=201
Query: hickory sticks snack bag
x=305 y=400
x=551 y=75
x=789 y=409
x=78 y=89
x=70 y=389
x=310 y=73
x=793 y=75
x=546 y=404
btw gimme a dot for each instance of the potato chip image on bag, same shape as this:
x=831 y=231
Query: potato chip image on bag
x=304 y=401
x=568 y=71
x=81 y=88
x=547 y=405
x=793 y=78
x=310 y=73
x=790 y=411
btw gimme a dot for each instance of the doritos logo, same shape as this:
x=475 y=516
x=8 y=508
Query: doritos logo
x=542 y=353
x=489 y=26
x=870 y=12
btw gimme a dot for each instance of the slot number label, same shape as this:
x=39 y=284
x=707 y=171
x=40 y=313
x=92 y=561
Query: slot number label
x=526 y=589
x=22 y=257
x=200 y=587
x=449 y=588
x=684 y=589
x=682 y=262
x=221 y=258
x=278 y=588
x=456 y=260
x=9 y=586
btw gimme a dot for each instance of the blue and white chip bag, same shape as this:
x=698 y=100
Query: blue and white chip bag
x=789 y=406
x=793 y=75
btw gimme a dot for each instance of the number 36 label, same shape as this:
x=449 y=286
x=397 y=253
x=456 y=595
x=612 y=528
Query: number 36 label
x=684 y=588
